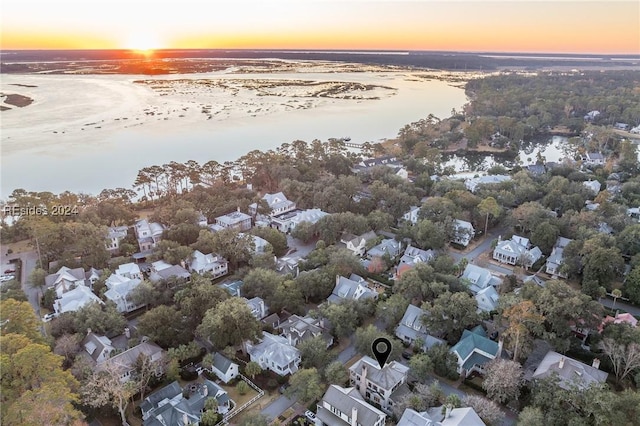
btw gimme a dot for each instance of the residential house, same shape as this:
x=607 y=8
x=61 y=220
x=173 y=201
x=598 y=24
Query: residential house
x=593 y=186
x=487 y=299
x=554 y=262
x=276 y=354
x=474 y=350
x=388 y=246
x=385 y=160
x=259 y=244
x=223 y=368
x=297 y=329
x=65 y=279
x=413 y=255
x=591 y=115
x=233 y=287
x=570 y=372
x=119 y=289
x=346 y=407
x=412 y=328
x=412 y=215
x=357 y=244
x=441 y=416
x=129 y=270
x=235 y=220
x=115 y=234
x=463 y=232
x=621 y=126
x=593 y=159
x=148 y=234
x=98 y=348
x=174 y=406
x=625 y=318
x=289 y=264
x=401 y=172
x=473 y=183
x=212 y=263
x=287 y=222
x=161 y=270
x=478 y=278
x=278 y=203
x=382 y=386
x=257 y=306
x=350 y=289
x=272 y=321
x=202 y=220
x=125 y=362
x=635 y=130
x=517 y=250
x=75 y=299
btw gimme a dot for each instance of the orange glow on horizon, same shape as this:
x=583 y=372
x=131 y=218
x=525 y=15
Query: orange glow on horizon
x=534 y=26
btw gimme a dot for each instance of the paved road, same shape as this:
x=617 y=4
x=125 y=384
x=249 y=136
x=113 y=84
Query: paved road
x=29 y=260
x=633 y=310
x=277 y=407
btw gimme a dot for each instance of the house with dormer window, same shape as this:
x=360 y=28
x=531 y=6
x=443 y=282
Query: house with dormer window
x=346 y=407
x=515 y=251
x=412 y=328
x=474 y=350
x=353 y=288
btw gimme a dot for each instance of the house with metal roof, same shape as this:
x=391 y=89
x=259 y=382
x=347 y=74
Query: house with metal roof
x=297 y=329
x=554 y=262
x=441 y=416
x=278 y=203
x=349 y=289
x=474 y=350
x=275 y=353
x=515 y=251
x=98 y=348
x=235 y=220
x=346 y=407
x=211 y=263
x=225 y=369
x=75 y=299
x=357 y=243
x=388 y=246
x=175 y=406
x=412 y=328
x=382 y=386
x=477 y=278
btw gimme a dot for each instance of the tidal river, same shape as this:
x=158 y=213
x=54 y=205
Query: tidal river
x=84 y=133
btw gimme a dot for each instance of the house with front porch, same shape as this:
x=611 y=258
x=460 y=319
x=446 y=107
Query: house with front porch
x=554 y=262
x=275 y=353
x=516 y=251
x=412 y=328
x=115 y=235
x=211 y=263
x=463 y=232
x=357 y=243
x=278 y=204
x=119 y=289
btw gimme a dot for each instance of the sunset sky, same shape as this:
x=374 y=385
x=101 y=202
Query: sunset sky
x=472 y=25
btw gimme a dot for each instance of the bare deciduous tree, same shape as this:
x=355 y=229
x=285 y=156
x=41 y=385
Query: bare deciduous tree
x=624 y=358
x=502 y=380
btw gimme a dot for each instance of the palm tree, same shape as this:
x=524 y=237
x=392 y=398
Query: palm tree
x=616 y=293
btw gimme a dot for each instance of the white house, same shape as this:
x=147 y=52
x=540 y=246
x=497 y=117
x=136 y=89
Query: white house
x=463 y=232
x=346 y=407
x=357 y=244
x=66 y=279
x=278 y=203
x=554 y=262
x=75 y=299
x=478 y=278
x=297 y=329
x=516 y=250
x=474 y=350
x=350 y=289
x=129 y=270
x=473 y=183
x=487 y=299
x=148 y=234
x=275 y=353
x=119 y=289
x=412 y=215
x=126 y=361
x=287 y=222
x=593 y=159
x=441 y=416
x=383 y=386
x=412 y=328
x=223 y=368
x=235 y=220
x=115 y=234
x=257 y=306
x=215 y=264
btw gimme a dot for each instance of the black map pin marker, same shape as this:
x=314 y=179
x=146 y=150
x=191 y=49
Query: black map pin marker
x=381 y=349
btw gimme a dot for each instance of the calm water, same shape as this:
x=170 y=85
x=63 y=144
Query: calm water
x=35 y=159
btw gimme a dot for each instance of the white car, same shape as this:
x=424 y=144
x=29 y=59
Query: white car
x=310 y=415
x=49 y=317
x=4 y=278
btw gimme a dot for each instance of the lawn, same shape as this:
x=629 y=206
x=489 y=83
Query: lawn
x=237 y=398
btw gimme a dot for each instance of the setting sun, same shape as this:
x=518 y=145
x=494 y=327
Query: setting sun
x=143 y=43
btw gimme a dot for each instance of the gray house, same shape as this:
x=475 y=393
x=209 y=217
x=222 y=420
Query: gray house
x=515 y=251
x=554 y=262
x=411 y=328
x=345 y=406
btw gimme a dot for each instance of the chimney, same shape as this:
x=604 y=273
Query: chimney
x=596 y=363
x=238 y=209
x=88 y=329
x=447 y=413
x=354 y=416
x=363 y=380
x=561 y=363
x=500 y=345
x=127 y=332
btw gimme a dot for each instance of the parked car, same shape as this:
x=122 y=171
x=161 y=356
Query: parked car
x=49 y=317
x=310 y=415
x=406 y=355
x=9 y=271
x=4 y=278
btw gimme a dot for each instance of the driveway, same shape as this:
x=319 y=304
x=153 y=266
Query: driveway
x=29 y=259
x=277 y=407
